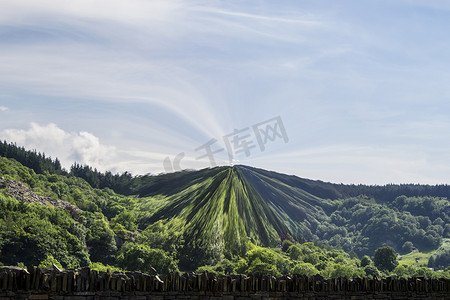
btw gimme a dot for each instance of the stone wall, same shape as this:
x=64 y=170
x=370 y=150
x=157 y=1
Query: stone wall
x=86 y=284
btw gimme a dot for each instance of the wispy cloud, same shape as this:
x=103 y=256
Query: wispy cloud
x=290 y=20
x=156 y=78
x=3 y=108
x=68 y=64
x=125 y=11
x=171 y=87
x=342 y=163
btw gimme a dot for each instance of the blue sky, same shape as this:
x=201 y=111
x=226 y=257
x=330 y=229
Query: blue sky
x=361 y=87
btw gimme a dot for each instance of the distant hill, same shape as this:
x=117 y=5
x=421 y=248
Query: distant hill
x=269 y=207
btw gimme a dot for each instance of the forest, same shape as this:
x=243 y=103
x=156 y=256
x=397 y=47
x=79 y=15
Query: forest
x=223 y=220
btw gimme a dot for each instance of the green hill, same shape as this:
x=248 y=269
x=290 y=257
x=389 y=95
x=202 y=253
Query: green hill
x=238 y=204
x=216 y=217
x=268 y=207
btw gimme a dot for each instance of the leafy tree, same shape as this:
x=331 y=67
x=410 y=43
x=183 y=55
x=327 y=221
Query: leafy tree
x=341 y=270
x=285 y=245
x=223 y=267
x=166 y=236
x=371 y=270
x=49 y=262
x=142 y=257
x=100 y=239
x=407 y=247
x=304 y=269
x=385 y=258
x=295 y=252
x=312 y=258
x=104 y=268
x=258 y=266
x=262 y=260
x=32 y=232
x=424 y=271
x=207 y=268
x=403 y=271
x=127 y=220
x=366 y=261
x=447 y=231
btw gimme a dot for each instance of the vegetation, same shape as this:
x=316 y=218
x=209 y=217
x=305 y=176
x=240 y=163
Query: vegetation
x=35 y=234
x=385 y=259
x=222 y=220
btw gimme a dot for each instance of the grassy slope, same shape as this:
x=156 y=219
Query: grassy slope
x=300 y=210
x=420 y=259
x=234 y=204
x=225 y=207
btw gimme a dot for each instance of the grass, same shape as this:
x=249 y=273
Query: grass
x=420 y=259
x=415 y=258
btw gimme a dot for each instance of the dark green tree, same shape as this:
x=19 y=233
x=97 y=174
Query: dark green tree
x=100 y=240
x=143 y=258
x=285 y=245
x=407 y=247
x=385 y=258
x=371 y=271
x=366 y=261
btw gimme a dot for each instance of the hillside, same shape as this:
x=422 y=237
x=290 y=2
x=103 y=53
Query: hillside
x=272 y=207
x=225 y=204
x=216 y=217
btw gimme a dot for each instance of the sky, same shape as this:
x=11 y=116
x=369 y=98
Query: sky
x=340 y=91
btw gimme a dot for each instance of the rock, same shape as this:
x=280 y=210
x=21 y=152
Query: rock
x=22 y=192
x=153 y=271
x=55 y=267
x=14 y=269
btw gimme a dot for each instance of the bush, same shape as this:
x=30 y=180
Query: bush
x=143 y=258
x=49 y=262
x=304 y=269
x=371 y=271
x=366 y=261
x=407 y=247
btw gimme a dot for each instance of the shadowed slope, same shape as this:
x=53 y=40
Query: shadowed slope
x=227 y=206
x=223 y=207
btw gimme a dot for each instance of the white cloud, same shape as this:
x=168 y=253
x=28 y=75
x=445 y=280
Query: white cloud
x=3 y=108
x=86 y=148
x=83 y=147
